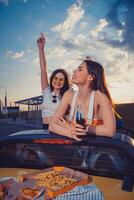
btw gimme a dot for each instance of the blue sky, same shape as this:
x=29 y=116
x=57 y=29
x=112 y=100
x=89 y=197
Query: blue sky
x=74 y=29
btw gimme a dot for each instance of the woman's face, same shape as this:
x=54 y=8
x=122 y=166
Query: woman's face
x=80 y=74
x=58 y=81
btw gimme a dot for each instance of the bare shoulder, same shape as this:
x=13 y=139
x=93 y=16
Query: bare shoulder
x=68 y=96
x=101 y=97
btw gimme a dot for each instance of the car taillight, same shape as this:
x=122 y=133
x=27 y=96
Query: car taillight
x=52 y=141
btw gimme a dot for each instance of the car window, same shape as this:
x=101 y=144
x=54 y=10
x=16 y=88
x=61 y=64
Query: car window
x=101 y=160
x=40 y=155
x=109 y=160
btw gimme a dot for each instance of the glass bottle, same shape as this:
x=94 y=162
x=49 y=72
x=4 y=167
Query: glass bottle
x=80 y=119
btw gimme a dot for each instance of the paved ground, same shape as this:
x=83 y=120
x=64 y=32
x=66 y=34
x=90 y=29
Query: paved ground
x=8 y=126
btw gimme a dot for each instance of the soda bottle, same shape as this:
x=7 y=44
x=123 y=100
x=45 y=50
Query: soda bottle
x=80 y=118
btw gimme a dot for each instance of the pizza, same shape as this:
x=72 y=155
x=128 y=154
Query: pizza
x=30 y=193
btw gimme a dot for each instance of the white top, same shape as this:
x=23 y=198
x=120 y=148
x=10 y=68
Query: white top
x=91 y=107
x=90 y=110
x=48 y=107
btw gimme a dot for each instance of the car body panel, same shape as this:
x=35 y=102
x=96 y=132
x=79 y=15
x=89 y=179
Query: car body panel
x=110 y=161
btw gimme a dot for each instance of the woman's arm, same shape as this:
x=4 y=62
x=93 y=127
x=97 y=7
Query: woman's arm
x=60 y=112
x=62 y=127
x=44 y=80
x=109 y=126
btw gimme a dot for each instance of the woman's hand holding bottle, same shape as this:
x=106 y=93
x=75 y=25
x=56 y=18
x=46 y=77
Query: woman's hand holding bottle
x=77 y=131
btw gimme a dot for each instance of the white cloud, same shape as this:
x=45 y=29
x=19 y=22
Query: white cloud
x=120 y=35
x=74 y=44
x=115 y=60
x=75 y=14
x=6 y=2
x=56 y=52
x=83 y=25
x=35 y=62
x=80 y=39
x=102 y=24
x=14 y=55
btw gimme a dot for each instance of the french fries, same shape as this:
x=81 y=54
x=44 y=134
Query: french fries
x=53 y=179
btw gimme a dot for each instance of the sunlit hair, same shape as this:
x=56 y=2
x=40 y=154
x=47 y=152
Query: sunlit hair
x=99 y=80
x=66 y=81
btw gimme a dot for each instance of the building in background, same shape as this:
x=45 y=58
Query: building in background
x=10 y=112
x=34 y=107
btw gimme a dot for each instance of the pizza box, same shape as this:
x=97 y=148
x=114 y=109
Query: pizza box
x=56 y=180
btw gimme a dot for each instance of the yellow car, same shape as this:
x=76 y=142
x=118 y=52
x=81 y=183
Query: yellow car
x=110 y=161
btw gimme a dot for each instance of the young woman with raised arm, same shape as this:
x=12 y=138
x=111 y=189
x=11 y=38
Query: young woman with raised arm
x=53 y=91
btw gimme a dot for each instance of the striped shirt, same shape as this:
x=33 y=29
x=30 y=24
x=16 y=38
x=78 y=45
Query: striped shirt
x=86 y=192
x=48 y=107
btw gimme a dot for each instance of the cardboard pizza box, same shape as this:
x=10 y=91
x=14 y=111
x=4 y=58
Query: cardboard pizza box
x=56 y=180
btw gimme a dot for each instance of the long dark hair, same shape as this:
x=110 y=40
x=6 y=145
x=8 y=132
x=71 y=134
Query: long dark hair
x=99 y=80
x=66 y=81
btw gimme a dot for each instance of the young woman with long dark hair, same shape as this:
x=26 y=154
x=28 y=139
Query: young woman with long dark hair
x=92 y=102
x=53 y=92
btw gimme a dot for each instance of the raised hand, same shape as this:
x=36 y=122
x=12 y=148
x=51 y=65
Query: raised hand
x=41 y=41
x=44 y=80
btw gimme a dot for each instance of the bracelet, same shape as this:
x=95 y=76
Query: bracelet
x=90 y=131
